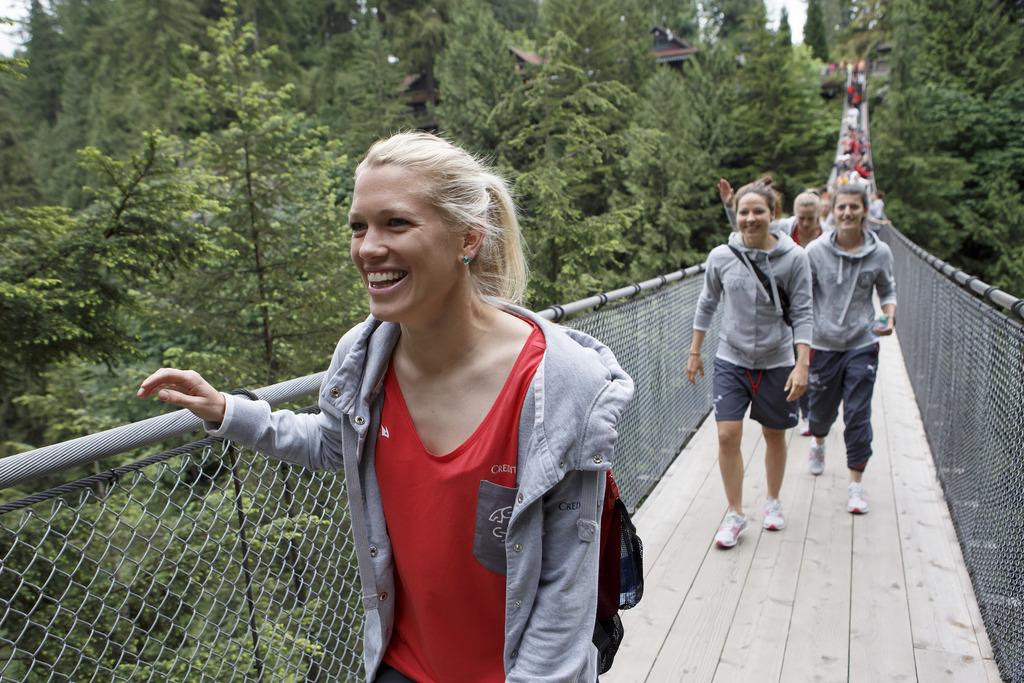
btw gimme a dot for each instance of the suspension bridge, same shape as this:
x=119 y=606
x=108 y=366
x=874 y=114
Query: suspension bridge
x=212 y=562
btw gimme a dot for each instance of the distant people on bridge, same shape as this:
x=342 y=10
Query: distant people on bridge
x=876 y=212
x=848 y=266
x=763 y=280
x=852 y=118
x=475 y=492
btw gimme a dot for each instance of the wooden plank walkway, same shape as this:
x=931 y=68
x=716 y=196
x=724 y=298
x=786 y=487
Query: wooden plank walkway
x=833 y=597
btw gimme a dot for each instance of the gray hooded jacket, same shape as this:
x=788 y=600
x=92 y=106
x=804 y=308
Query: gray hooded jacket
x=566 y=442
x=844 y=313
x=753 y=333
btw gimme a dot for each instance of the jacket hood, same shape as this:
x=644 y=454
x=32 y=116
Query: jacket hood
x=869 y=246
x=599 y=386
x=587 y=379
x=784 y=245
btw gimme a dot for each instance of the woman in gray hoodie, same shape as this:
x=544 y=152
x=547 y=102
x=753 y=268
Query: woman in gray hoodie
x=848 y=265
x=474 y=435
x=763 y=279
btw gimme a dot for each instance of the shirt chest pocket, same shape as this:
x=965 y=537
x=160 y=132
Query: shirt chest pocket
x=493 y=510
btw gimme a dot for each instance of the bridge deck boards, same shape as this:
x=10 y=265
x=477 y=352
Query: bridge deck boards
x=833 y=597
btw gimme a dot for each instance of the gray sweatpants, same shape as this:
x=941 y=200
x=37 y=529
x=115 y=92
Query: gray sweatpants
x=847 y=376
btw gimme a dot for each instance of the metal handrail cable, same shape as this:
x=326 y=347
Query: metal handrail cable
x=26 y=466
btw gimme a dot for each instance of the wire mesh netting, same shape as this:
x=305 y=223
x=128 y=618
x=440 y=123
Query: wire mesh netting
x=215 y=564
x=220 y=564
x=651 y=339
x=966 y=364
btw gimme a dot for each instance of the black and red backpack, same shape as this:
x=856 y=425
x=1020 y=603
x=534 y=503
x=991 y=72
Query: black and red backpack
x=620 y=579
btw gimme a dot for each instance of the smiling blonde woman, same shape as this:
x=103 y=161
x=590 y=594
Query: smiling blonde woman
x=473 y=434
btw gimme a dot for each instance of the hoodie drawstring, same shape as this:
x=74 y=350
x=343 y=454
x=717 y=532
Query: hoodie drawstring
x=852 y=288
x=775 y=288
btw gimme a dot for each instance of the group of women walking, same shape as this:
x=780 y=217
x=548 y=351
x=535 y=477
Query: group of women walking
x=475 y=436
x=798 y=324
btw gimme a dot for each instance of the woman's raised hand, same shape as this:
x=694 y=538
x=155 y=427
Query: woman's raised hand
x=186 y=389
x=725 y=191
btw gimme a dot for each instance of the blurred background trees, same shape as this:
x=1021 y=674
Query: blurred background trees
x=174 y=174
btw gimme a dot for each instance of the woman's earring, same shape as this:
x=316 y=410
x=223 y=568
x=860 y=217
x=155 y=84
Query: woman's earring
x=466 y=259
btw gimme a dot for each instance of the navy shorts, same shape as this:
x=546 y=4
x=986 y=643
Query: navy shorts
x=763 y=391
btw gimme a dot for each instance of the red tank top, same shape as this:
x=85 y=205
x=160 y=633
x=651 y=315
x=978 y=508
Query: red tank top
x=446 y=516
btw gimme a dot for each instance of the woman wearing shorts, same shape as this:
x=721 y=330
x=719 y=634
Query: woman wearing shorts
x=755 y=275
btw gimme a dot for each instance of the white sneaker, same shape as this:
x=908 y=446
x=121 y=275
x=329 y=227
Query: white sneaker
x=856 y=501
x=804 y=428
x=774 y=519
x=816 y=460
x=729 y=533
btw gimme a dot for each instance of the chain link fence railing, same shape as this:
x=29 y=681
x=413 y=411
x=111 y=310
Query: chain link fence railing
x=965 y=358
x=211 y=562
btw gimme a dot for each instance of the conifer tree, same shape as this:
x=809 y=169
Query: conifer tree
x=785 y=34
x=475 y=72
x=612 y=37
x=814 y=30
x=517 y=15
x=18 y=185
x=356 y=89
x=566 y=132
x=70 y=281
x=948 y=139
x=136 y=78
x=675 y=146
x=271 y=303
x=725 y=18
x=780 y=118
x=40 y=92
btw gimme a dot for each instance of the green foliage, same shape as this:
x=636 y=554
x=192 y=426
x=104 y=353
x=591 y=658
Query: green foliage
x=949 y=138
x=782 y=124
x=478 y=71
x=609 y=39
x=814 y=30
x=69 y=282
x=516 y=15
x=270 y=302
x=41 y=99
x=785 y=33
x=146 y=574
x=568 y=131
x=12 y=66
x=356 y=90
x=18 y=184
x=64 y=277
x=725 y=18
x=675 y=145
